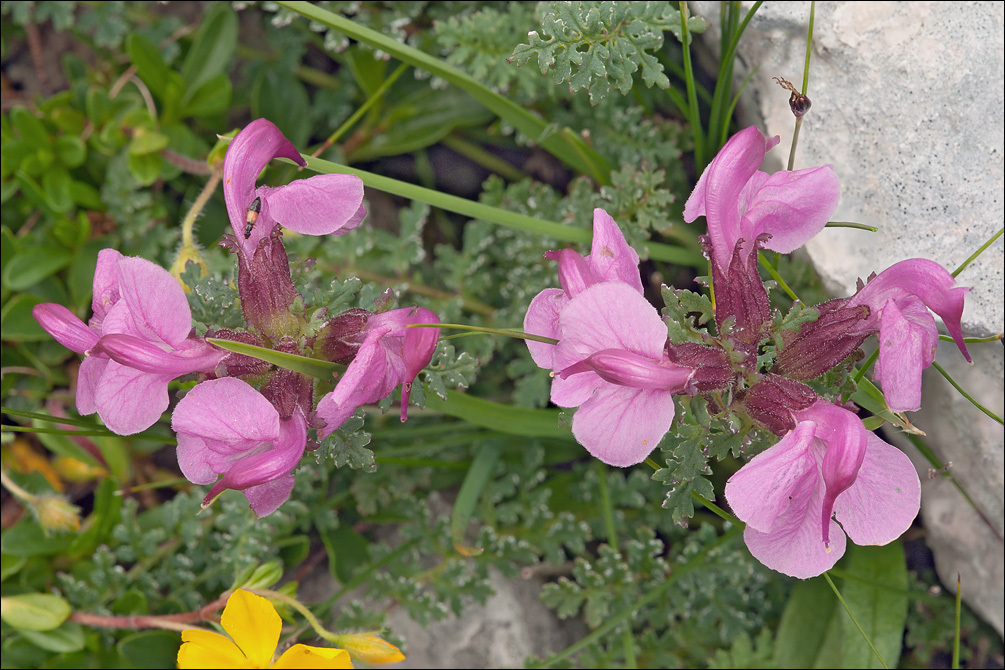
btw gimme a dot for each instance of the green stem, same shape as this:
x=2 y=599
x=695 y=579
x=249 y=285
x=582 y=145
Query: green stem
x=854 y=620
x=627 y=643
x=300 y=607
x=956 y=631
x=715 y=509
x=850 y=224
x=363 y=109
x=977 y=253
x=188 y=224
x=795 y=141
x=966 y=395
x=486 y=159
x=692 y=94
x=508 y=332
x=774 y=275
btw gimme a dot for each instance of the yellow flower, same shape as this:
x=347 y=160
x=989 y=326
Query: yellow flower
x=254 y=626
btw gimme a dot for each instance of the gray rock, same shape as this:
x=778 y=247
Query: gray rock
x=909 y=107
x=512 y=625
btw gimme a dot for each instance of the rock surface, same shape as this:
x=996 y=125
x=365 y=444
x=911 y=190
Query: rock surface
x=909 y=107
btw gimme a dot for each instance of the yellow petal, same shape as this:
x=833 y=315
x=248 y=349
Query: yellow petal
x=203 y=649
x=254 y=625
x=302 y=656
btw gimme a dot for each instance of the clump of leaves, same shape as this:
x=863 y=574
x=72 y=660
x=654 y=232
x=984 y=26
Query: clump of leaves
x=599 y=45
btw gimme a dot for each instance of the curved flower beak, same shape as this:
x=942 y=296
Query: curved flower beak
x=320 y=205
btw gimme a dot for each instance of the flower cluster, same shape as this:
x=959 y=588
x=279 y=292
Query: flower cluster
x=246 y=420
x=615 y=362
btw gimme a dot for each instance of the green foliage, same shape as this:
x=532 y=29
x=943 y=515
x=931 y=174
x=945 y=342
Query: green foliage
x=599 y=45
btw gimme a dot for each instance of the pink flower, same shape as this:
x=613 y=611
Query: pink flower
x=610 y=260
x=226 y=427
x=321 y=205
x=740 y=202
x=390 y=354
x=899 y=299
x=137 y=341
x=610 y=362
x=829 y=465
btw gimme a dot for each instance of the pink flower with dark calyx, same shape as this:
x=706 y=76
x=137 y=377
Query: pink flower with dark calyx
x=328 y=204
x=739 y=202
x=138 y=340
x=827 y=466
x=226 y=427
x=391 y=353
x=610 y=363
x=610 y=260
x=898 y=300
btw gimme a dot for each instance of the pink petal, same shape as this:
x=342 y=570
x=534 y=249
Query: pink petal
x=268 y=472
x=542 y=319
x=227 y=411
x=321 y=205
x=621 y=425
x=142 y=355
x=266 y=498
x=130 y=401
x=611 y=315
x=761 y=491
x=792 y=207
x=793 y=547
x=65 y=327
x=717 y=194
x=248 y=154
x=106 y=284
x=372 y=375
x=88 y=380
x=884 y=499
x=154 y=301
x=907 y=344
x=611 y=259
x=845 y=436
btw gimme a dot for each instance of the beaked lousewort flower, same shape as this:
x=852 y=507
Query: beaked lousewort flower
x=610 y=362
x=740 y=203
x=253 y=627
x=327 y=204
x=225 y=426
x=138 y=340
x=610 y=259
x=828 y=464
x=389 y=354
x=898 y=299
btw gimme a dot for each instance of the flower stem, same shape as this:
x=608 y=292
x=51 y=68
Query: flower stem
x=854 y=620
x=966 y=395
x=371 y=101
x=508 y=332
x=178 y=622
x=188 y=224
x=806 y=83
x=977 y=253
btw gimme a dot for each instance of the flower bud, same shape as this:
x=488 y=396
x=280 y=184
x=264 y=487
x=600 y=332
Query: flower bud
x=820 y=345
x=772 y=400
x=369 y=648
x=56 y=514
x=341 y=337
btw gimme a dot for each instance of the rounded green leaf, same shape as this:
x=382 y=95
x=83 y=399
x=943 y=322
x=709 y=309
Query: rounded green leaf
x=56 y=183
x=71 y=150
x=32 y=266
x=151 y=649
x=34 y=611
x=66 y=639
